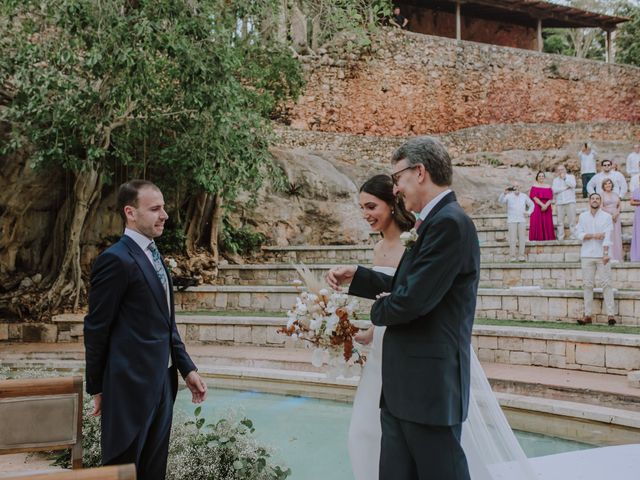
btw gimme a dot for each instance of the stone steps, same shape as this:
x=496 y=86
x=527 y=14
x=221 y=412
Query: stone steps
x=557 y=251
x=547 y=275
x=500 y=219
x=499 y=233
x=253 y=341
x=527 y=303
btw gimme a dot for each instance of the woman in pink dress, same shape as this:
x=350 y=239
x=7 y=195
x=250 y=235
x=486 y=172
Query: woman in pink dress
x=611 y=205
x=541 y=223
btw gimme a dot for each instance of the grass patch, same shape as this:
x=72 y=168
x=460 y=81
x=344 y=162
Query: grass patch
x=559 y=326
x=479 y=321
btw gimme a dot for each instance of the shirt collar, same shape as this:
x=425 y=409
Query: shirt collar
x=142 y=241
x=434 y=201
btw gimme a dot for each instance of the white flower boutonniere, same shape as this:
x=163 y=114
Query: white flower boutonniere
x=171 y=263
x=409 y=238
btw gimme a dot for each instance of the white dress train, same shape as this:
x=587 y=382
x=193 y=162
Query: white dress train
x=492 y=450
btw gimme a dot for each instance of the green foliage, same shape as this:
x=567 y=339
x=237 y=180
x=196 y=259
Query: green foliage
x=223 y=450
x=628 y=37
x=556 y=40
x=173 y=238
x=335 y=19
x=169 y=90
x=241 y=240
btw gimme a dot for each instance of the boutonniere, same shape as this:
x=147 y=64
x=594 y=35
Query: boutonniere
x=171 y=263
x=409 y=238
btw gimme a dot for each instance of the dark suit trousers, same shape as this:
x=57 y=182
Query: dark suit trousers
x=412 y=451
x=150 y=448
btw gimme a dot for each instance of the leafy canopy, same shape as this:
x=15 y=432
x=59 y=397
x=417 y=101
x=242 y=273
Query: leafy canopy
x=170 y=89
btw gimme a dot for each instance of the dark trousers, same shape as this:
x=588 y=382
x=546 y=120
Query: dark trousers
x=150 y=448
x=412 y=451
x=585 y=179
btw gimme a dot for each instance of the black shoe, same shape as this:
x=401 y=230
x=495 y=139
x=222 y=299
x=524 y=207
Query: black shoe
x=611 y=321
x=585 y=321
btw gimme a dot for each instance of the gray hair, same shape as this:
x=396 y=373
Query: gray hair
x=429 y=152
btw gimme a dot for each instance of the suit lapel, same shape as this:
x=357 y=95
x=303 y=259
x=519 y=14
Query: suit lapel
x=450 y=197
x=149 y=273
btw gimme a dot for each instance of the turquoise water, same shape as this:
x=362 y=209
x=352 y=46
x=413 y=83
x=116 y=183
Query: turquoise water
x=310 y=435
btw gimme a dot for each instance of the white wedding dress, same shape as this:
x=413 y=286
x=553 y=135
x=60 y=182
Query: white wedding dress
x=492 y=450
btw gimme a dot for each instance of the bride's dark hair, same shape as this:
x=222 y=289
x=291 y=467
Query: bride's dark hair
x=381 y=186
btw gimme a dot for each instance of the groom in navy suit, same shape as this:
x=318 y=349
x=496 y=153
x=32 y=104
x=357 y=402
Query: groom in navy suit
x=133 y=349
x=428 y=308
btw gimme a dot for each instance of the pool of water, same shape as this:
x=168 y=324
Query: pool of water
x=310 y=435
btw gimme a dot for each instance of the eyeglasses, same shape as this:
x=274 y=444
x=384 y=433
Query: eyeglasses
x=396 y=176
x=606 y=164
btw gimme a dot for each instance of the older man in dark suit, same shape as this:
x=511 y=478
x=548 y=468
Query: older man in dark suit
x=133 y=349
x=429 y=311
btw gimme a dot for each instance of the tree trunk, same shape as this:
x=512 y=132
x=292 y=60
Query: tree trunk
x=216 y=222
x=194 y=219
x=68 y=284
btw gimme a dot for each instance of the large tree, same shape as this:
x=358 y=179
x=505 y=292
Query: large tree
x=171 y=90
x=628 y=37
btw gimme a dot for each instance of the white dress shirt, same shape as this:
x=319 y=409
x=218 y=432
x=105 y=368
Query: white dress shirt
x=434 y=201
x=588 y=162
x=619 y=183
x=564 y=190
x=144 y=242
x=634 y=183
x=601 y=222
x=517 y=205
x=633 y=163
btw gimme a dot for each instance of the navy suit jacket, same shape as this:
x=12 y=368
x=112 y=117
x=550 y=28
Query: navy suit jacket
x=429 y=316
x=129 y=333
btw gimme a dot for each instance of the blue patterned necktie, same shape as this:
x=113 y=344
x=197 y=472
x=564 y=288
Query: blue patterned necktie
x=159 y=267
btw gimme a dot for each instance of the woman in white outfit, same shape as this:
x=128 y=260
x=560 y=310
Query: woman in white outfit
x=389 y=218
x=492 y=450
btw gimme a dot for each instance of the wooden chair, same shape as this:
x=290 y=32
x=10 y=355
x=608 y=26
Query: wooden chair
x=42 y=414
x=116 y=472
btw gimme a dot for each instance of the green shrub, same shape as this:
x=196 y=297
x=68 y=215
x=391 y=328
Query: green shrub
x=240 y=241
x=225 y=450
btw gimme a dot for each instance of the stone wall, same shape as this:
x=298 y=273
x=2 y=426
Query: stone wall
x=415 y=84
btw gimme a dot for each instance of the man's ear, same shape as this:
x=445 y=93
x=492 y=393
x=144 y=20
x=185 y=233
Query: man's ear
x=128 y=212
x=423 y=175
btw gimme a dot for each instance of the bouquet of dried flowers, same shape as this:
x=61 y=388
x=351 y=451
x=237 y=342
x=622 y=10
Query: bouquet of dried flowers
x=324 y=319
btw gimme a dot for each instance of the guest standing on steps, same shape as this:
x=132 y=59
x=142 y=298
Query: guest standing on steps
x=587 y=157
x=563 y=187
x=541 y=224
x=518 y=206
x=594 y=230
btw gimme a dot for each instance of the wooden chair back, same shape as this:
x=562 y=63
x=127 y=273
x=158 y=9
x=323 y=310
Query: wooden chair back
x=115 y=472
x=41 y=414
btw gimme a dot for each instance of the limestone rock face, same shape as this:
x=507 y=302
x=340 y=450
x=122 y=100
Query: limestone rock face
x=319 y=204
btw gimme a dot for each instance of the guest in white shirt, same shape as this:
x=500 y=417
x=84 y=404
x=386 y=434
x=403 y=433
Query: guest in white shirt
x=594 y=230
x=587 y=157
x=633 y=162
x=619 y=182
x=563 y=187
x=519 y=205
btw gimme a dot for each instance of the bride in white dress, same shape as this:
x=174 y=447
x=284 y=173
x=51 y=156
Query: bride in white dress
x=493 y=452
